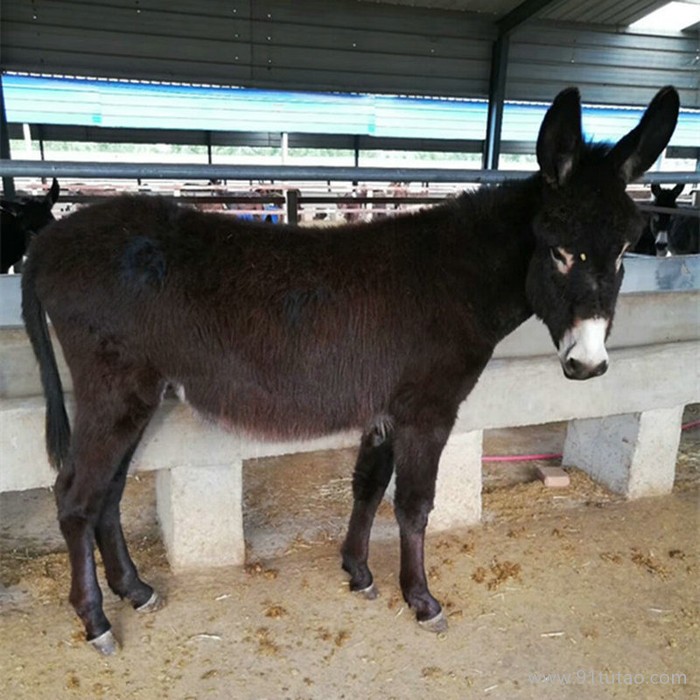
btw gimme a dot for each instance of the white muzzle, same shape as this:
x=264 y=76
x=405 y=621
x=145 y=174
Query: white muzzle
x=582 y=350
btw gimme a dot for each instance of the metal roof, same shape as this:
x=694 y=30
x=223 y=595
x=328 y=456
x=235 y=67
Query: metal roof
x=611 y=14
x=430 y=47
x=617 y=13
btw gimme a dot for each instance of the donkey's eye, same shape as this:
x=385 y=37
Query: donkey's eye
x=563 y=259
x=558 y=255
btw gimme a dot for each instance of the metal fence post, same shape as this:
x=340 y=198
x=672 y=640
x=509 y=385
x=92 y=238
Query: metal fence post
x=292 y=206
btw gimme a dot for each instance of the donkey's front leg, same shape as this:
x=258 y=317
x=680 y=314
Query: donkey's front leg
x=417 y=455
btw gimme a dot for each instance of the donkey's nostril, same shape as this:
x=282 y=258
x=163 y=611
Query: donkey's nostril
x=575 y=369
x=572 y=364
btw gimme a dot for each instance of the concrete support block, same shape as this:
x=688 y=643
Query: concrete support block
x=633 y=454
x=458 y=487
x=201 y=515
x=23 y=461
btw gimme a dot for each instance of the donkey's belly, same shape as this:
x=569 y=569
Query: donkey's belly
x=277 y=415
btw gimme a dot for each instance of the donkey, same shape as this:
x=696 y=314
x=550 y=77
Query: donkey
x=656 y=235
x=384 y=326
x=21 y=220
x=683 y=231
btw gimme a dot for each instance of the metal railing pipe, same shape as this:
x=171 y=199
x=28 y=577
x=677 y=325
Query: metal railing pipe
x=292 y=173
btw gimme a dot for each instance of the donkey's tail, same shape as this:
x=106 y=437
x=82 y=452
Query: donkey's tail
x=57 y=425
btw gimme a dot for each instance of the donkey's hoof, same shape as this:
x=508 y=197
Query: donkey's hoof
x=153 y=604
x=436 y=625
x=106 y=644
x=369 y=593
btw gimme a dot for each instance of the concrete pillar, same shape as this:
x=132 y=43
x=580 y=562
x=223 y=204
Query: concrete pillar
x=633 y=454
x=200 y=510
x=458 y=488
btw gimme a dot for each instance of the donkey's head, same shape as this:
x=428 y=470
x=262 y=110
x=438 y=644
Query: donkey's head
x=585 y=223
x=659 y=223
x=32 y=213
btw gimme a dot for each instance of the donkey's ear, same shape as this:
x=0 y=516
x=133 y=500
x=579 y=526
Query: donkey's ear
x=636 y=152
x=559 y=141
x=656 y=190
x=52 y=194
x=677 y=189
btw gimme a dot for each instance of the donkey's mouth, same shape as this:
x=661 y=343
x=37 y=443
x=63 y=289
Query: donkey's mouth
x=582 y=350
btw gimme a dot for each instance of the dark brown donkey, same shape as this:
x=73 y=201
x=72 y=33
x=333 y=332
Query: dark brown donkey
x=293 y=333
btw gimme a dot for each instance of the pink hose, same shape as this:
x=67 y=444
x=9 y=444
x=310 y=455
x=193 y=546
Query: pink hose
x=521 y=458
x=554 y=455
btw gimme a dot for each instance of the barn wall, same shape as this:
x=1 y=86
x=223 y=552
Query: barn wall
x=342 y=45
x=609 y=66
x=306 y=44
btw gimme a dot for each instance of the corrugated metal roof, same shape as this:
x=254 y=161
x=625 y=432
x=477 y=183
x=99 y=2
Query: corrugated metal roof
x=346 y=45
x=494 y=8
x=606 y=12
x=41 y=100
x=611 y=12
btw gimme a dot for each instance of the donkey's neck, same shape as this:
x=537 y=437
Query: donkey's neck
x=499 y=244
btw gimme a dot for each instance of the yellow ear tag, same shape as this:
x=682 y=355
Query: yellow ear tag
x=583 y=257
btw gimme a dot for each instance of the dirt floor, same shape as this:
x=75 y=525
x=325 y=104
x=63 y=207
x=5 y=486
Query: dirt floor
x=570 y=593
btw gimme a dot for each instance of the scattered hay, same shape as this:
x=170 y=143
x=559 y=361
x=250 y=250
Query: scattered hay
x=341 y=638
x=275 y=612
x=434 y=573
x=479 y=575
x=500 y=573
x=525 y=501
x=324 y=634
x=258 y=569
x=338 y=639
x=266 y=646
x=394 y=600
x=649 y=563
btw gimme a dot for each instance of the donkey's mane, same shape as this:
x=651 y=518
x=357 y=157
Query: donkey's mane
x=593 y=153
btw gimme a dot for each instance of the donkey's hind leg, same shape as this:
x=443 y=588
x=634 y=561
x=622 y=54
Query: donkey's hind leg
x=103 y=434
x=122 y=575
x=375 y=464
